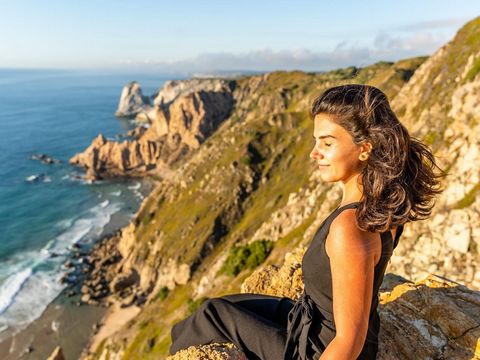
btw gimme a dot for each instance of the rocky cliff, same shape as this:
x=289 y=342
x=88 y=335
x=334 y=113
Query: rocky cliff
x=180 y=121
x=251 y=181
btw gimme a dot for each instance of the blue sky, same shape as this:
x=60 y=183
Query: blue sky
x=186 y=36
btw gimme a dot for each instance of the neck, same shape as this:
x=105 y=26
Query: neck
x=352 y=190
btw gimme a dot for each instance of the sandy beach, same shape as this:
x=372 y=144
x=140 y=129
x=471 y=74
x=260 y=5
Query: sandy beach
x=62 y=324
x=112 y=321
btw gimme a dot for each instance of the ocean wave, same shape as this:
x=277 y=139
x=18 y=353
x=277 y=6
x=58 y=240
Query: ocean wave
x=29 y=281
x=11 y=287
x=37 y=291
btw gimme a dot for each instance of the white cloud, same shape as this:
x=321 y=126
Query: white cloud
x=384 y=47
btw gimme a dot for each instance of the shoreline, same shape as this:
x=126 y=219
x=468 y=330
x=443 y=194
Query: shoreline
x=67 y=321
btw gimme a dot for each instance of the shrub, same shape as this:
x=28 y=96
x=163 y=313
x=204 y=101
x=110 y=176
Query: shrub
x=162 y=294
x=246 y=256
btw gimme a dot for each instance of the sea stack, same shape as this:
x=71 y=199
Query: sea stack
x=132 y=101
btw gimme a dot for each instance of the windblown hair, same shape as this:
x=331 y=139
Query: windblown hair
x=399 y=181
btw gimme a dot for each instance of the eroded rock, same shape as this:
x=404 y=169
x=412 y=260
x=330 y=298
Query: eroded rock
x=132 y=101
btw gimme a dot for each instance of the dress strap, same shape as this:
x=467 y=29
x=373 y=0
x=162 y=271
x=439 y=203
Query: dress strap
x=354 y=204
x=338 y=210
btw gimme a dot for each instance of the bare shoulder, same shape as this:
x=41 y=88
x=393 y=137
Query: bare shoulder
x=344 y=237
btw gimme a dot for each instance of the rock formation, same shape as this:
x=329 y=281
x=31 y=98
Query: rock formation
x=174 y=89
x=176 y=128
x=132 y=101
x=213 y=351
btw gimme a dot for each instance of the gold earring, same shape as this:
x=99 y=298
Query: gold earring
x=363 y=156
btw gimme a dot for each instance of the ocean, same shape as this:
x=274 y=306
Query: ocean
x=45 y=209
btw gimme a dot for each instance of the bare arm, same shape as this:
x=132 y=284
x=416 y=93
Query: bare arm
x=352 y=261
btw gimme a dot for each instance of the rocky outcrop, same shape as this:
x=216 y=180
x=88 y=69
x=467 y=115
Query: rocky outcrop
x=193 y=117
x=177 y=127
x=106 y=158
x=439 y=316
x=132 y=101
x=174 y=89
x=213 y=351
x=285 y=280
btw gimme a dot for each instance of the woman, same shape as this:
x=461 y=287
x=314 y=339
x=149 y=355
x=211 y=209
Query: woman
x=388 y=179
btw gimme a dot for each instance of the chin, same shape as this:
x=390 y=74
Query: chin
x=328 y=179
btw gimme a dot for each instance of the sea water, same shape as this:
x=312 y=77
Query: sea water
x=45 y=209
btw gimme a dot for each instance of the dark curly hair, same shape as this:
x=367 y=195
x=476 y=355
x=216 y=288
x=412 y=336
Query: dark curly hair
x=399 y=180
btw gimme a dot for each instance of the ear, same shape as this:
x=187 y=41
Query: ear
x=367 y=147
x=365 y=150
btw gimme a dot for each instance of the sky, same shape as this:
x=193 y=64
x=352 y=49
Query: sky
x=207 y=36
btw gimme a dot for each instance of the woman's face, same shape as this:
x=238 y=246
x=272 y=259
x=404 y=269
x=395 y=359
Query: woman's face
x=335 y=152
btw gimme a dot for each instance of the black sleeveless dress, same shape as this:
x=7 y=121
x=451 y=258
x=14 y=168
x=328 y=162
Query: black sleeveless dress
x=271 y=328
x=311 y=321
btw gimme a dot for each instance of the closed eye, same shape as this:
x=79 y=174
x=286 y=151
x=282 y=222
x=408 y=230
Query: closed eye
x=325 y=143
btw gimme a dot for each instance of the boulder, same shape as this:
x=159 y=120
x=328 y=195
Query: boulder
x=123 y=281
x=212 y=351
x=132 y=101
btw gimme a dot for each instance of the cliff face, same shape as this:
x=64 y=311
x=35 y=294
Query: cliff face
x=251 y=179
x=177 y=127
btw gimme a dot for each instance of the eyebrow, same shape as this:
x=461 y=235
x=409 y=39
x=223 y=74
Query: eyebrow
x=324 y=136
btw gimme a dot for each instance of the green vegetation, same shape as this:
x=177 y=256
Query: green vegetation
x=246 y=256
x=143 y=324
x=475 y=69
x=162 y=294
x=468 y=199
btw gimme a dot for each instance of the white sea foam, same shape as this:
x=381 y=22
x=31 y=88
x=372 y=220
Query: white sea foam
x=11 y=287
x=29 y=281
x=117 y=193
x=36 y=293
x=135 y=186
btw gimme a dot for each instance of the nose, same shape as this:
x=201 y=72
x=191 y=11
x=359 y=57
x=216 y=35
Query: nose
x=315 y=154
